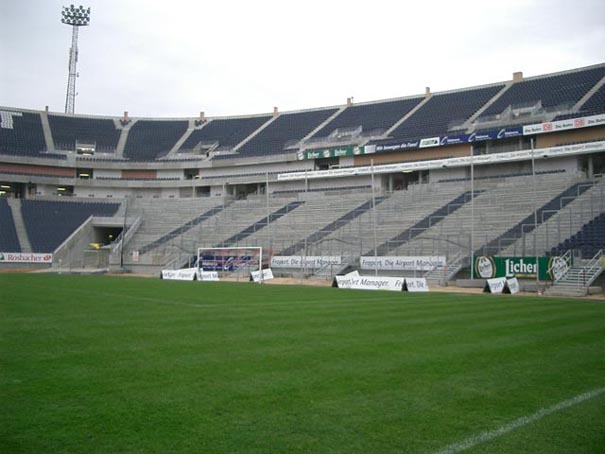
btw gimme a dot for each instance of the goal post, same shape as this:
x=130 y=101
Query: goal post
x=230 y=262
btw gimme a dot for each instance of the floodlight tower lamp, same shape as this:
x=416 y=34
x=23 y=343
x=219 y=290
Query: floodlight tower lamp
x=76 y=17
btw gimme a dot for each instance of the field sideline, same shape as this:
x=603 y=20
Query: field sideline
x=115 y=364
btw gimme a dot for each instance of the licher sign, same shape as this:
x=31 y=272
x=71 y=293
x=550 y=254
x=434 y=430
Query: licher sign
x=488 y=267
x=25 y=257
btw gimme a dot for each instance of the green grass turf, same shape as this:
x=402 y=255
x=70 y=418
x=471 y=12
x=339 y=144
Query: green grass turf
x=104 y=364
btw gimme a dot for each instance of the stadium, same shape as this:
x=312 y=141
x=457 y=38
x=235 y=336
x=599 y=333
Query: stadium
x=510 y=169
x=455 y=195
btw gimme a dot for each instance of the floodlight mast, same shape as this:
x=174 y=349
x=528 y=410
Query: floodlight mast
x=76 y=17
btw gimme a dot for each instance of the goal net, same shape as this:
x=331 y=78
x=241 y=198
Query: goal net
x=234 y=262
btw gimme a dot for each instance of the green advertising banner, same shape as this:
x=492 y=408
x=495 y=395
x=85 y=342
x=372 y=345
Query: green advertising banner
x=332 y=152
x=488 y=267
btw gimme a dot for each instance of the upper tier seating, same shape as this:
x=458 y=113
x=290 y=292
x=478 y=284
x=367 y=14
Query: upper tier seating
x=9 y=241
x=560 y=90
x=373 y=118
x=596 y=103
x=593 y=106
x=152 y=139
x=286 y=130
x=227 y=132
x=436 y=116
x=67 y=130
x=49 y=223
x=21 y=133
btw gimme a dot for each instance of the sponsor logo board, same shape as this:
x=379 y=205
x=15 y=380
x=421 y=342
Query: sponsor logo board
x=25 y=257
x=495 y=285
x=266 y=274
x=487 y=267
x=416 y=284
x=355 y=281
x=401 y=263
x=185 y=274
x=309 y=262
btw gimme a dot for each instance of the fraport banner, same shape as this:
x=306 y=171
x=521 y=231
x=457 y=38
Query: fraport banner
x=308 y=261
x=401 y=263
x=357 y=282
x=261 y=276
x=502 y=285
x=335 y=152
x=189 y=274
x=185 y=274
x=25 y=257
x=489 y=267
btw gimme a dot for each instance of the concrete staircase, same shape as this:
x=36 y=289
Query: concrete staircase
x=578 y=278
x=15 y=206
x=442 y=274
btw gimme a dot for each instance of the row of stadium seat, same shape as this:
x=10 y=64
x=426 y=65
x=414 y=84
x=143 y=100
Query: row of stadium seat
x=149 y=140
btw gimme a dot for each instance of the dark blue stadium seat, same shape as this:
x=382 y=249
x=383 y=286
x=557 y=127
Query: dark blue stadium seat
x=435 y=117
x=66 y=130
x=559 y=90
x=151 y=139
x=21 y=133
x=49 y=223
x=589 y=239
x=227 y=132
x=375 y=118
x=285 y=130
x=9 y=241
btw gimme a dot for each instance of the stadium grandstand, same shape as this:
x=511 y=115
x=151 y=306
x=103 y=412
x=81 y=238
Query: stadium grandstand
x=509 y=169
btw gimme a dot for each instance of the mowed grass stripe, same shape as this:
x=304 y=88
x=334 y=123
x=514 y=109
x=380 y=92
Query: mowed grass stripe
x=337 y=372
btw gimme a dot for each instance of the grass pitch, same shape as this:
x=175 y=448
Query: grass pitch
x=95 y=363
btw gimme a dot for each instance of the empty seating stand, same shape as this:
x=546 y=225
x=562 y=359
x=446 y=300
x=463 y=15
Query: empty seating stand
x=439 y=113
x=67 y=130
x=264 y=222
x=151 y=139
x=9 y=241
x=227 y=133
x=423 y=224
x=49 y=223
x=332 y=226
x=285 y=130
x=21 y=133
x=559 y=90
x=544 y=213
x=374 y=118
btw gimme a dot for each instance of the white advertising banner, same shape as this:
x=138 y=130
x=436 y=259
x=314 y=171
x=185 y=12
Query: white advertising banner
x=416 y=284
x=495 y=285
x=562 y=125
x=25 y=257
x=208 y=275
x=267 y=274
x=185 y=274
x=464 y=161
x=512 y=286
x=401 y=263
x=355 y=281
x=309 y=262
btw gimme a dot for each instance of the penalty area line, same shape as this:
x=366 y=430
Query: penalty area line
x=518 y=423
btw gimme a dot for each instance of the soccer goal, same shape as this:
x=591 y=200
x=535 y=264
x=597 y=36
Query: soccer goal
x=230 y=262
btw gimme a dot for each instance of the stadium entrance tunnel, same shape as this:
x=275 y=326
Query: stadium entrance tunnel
x=104 y=235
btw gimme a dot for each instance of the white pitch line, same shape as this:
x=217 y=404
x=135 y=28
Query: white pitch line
x=517 y=423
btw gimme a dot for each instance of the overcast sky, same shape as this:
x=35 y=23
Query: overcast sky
x=179 y=57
